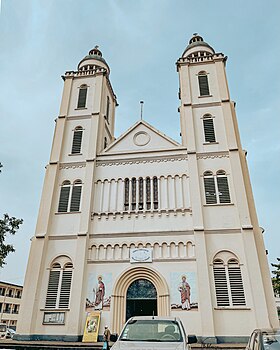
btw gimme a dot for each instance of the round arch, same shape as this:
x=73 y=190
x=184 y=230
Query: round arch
x=121 y=287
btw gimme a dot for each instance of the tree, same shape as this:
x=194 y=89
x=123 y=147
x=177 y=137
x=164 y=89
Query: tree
x=276 y=278
x=8 y=225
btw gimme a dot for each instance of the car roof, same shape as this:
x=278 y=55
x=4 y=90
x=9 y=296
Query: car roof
x=159 y=318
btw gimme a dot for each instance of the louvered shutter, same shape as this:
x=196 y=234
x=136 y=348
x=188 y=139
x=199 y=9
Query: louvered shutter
x=65 y=289
x=82 y=98
x=52 y=289
x=223 y=189
x=236 y=285
x=203 y=85
x=77 y=141
x=76 y=198
x=209 y=131
x=210 y=191
x=63 y=199
x=221 y=287
x=155 y=192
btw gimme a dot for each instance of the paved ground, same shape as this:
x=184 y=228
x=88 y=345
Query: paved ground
x=41 y=345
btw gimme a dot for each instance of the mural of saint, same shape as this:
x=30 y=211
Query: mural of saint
x=99 y=294
x=185 y=291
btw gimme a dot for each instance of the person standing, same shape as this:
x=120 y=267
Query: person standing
x=107 y=335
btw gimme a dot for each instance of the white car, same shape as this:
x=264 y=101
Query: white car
x=153 y=333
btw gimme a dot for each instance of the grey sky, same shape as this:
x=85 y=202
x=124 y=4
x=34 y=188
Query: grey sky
x=141 y=41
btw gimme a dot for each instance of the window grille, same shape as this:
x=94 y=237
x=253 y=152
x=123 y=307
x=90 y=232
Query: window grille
x=126 y=194
x=228 y=283
x=148 y=193
x=141 y=193
x=76 y=196
x=203 y=84
x=209 y=132
x=155 y=192
x=77 y=140
x=216 y=187
x=64 y=197
x=82 y=96
x=59 y=286
x=133 y=193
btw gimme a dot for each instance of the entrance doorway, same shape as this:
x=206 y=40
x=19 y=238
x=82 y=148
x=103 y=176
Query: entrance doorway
x=141 y=299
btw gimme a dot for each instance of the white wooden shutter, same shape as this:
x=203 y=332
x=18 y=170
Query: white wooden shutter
x=76 y=198
x=236 y=285
x=210 y=190
x=209 y=131
x=223 y=189
x=77 y=141
x=52 y=290
x=65 y=289
x=203 y=85
x=221 y=286
x=63 y=199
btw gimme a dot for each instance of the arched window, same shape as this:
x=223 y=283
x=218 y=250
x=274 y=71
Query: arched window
x=82 y=96
x=77 y=140
x=228 y=280
x=64 y=197
x=141 y=193
x=208 y=126
x=59 y=285
x=216 y=187
x=203 y=84
x=148 y=193
x=223 y=190
x=209 y=187
x=133 y=193
x=76 y=196
x=107 y=109
x=155 y=192
x=126 y=194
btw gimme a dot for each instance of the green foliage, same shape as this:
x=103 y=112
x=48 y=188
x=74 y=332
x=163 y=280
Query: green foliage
x=276 y=278
x=8 y=225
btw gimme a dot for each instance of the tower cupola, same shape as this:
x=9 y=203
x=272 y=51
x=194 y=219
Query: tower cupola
x=197 y=46
x=93 y=60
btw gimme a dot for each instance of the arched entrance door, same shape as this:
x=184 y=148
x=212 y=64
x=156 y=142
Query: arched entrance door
x=141 y=299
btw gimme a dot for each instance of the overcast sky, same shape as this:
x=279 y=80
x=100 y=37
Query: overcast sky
x=141 y=41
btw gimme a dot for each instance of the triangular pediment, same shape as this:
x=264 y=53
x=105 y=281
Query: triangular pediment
x=141 y=137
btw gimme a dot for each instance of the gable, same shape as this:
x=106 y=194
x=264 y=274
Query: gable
x=141 y=137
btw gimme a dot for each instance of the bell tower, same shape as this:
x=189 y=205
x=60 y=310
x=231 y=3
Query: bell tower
x=84 y=128
x=220 y=189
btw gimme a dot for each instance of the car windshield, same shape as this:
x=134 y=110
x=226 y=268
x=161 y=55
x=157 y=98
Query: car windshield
x=152 y=331
x=271 y=340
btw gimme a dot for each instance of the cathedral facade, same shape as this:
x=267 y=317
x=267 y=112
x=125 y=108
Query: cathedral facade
x=142 y=224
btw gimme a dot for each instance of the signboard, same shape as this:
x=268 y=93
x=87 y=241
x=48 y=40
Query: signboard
x=92 y=327
x=140 y=255
x=54 y=318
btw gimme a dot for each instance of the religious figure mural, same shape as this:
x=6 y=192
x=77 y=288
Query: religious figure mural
x=183 y=291
x=99 y=292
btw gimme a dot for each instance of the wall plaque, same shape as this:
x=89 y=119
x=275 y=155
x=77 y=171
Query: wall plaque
x=54 y=318
x=141 y=255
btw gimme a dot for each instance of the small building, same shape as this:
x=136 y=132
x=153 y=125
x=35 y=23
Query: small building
x=145 y=225
x=10 y=299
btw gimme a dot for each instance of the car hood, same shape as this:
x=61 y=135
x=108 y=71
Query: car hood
x=129 y=345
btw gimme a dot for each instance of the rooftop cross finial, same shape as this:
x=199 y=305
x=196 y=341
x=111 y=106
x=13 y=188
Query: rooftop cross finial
x=141 y=111
x=96 y=47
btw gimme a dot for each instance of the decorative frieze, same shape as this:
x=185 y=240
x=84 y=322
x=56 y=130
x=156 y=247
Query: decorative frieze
x=73 y=165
